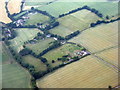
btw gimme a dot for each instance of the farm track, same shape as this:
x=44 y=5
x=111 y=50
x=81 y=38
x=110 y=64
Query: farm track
x=108 y=64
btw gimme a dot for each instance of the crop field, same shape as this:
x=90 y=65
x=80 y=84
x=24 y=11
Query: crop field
x=3 y=17
x=87 y=72
x=14 y=6
x=98 y=38
x=61 y=51
x=110 y=55
x=40 y=45
x=106 y=8
x=77 y=21
x=36 y=18
x=39 y=66
x=12 y=72
x=24 y=34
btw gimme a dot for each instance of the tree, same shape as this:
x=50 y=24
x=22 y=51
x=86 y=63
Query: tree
x=44 y=60
x=107 y=17
x=32 y=8
x=53 y=61
x=110 y=87
x=25 y=51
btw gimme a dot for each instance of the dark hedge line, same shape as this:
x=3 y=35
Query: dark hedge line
x=84 y=7
x=103 y=22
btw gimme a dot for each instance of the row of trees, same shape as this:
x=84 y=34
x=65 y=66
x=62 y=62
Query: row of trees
x=55 y=44
x=7 y=11
x=84 y=7
x=103 y=21
x=72 y=35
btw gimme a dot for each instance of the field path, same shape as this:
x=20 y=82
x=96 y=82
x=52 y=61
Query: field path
x=108 y=64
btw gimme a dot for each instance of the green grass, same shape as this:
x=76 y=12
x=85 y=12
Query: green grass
x=36 y=2
x=61 y=51
x=13 y=75
x=24 y=34
x=39 y=66
x=73 y=22
x=36 y=18
x=20 y=14
x=40 y=45
x=57 y=8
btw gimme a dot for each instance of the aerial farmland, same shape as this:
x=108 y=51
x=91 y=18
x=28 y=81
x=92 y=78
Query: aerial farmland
x=59 y=44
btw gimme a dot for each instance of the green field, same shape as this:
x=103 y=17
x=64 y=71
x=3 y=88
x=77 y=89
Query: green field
x=36 y=2
x=57 y=8
x=40 y=45
x=98 y=38
x=61 y=51
x=24 y=34
x=39 y=66
x=36 y=18
x=13 y=75
x=77 y=21
x=19 y=15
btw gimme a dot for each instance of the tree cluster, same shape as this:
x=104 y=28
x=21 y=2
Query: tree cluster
x=25 y=51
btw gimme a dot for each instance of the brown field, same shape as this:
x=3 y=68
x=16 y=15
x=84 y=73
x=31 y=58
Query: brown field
x=14 y=6
x=3 y=17
x=110 y=56
x=99 y=38
x=87 y=72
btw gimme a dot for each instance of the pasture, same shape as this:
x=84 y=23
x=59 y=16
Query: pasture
x=59 y=52
x=40 y=45
x=37 y=2
x=23 y=35
x=12 y=72
x=39 y=66
x=57 y=8
x=36 y=18
x=77 y=21
x=110 y=55
x=19 y=15
x=98 y=38
x=87 y=72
